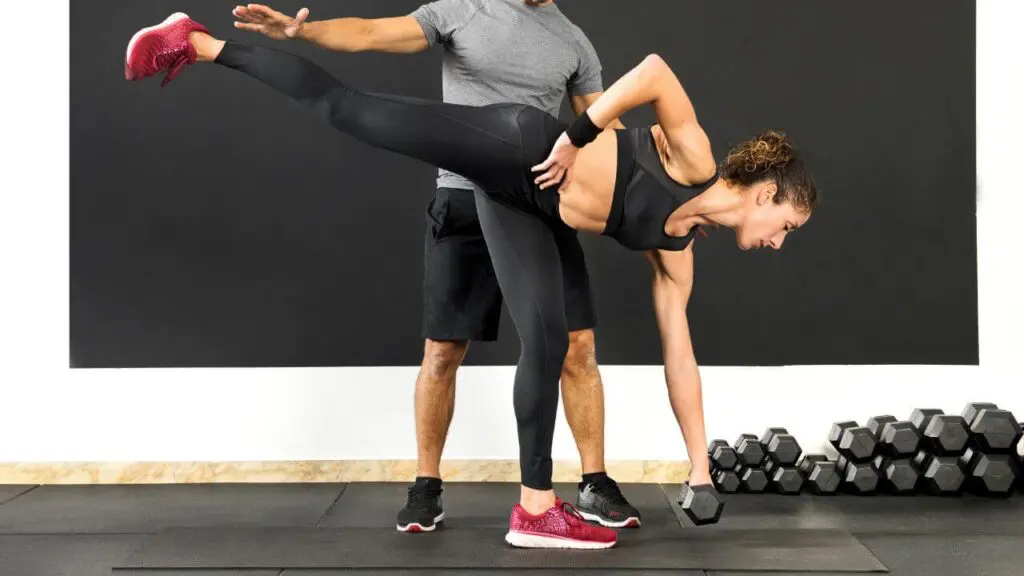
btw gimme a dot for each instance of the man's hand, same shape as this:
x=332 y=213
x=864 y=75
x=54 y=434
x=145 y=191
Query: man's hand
x=269 y=22
x=558 y=167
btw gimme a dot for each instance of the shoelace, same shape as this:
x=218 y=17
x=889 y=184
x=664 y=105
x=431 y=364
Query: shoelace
x=608 y=488
x=174 y=61
x=572 y=514
x=422 y=496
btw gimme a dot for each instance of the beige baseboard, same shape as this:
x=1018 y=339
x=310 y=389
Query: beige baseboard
x=643 y=471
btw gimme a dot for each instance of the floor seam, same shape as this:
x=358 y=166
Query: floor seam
x=323 y=517
x=19 y=495
x=672 y=505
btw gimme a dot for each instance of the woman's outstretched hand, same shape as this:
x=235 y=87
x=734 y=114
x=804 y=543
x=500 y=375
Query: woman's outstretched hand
x=269 y=22
x=558 y=167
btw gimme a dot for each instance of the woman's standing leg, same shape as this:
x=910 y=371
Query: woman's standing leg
x=528 y=266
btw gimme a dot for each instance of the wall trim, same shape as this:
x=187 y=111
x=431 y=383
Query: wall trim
x=638 y=471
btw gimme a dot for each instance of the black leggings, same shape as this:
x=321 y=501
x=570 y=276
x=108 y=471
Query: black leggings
x=494 y=146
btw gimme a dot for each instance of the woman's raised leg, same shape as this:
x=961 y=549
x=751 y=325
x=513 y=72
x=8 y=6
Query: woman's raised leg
x=480 y=143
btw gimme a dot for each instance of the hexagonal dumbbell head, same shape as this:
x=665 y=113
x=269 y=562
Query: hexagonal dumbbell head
x=783 y=449
x=876 y=423
x=970 y=411
x=722 y=456
x=855 y=443
x=940 y=475
x=727 y=481
x=822 y=475
x=770 y=433
x=784 y=479
x=749 y=450
x=899 y=440
x=857 y=477
x=920 y=417
x=946 y=435
x=898 y=475
x=701 y=504
x=995 y=431
x=989 y=474
x=752 y=479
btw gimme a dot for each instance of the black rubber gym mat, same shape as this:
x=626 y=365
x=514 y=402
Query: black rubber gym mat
x=880 y=514
x=499 y=572
x=466 y=504
x=454 y=572
x=942 y=555
x=924 y=514
x=9 y=492
x=91 y=509
x=83 y=555
x=778 y=549
x=748 y=573
x=144 y=572
x=473 y=504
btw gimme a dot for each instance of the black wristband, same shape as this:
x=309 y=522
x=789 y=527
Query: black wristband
x=582 y=131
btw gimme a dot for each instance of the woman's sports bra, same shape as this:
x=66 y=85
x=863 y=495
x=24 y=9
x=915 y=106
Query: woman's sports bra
x=645 y=196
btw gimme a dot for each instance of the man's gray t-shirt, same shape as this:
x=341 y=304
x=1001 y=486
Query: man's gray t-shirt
x=506 y=51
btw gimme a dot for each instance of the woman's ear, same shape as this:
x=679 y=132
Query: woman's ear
x=766 y=193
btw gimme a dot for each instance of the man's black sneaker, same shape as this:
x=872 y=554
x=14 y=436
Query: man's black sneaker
x=422 y=510
x=600 y=500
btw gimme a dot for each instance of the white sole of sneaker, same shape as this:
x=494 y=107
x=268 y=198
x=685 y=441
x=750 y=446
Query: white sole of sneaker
x=138 y=35
x=631 y=522
x=527 y=540
x=417 y=527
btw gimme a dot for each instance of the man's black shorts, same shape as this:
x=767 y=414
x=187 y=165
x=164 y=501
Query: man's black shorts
x=461 y=298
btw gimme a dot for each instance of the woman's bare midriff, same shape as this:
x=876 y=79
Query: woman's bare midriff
x=588 y=200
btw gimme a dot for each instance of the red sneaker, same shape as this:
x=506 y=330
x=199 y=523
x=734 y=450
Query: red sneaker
x=164 y=47
x=560 y=527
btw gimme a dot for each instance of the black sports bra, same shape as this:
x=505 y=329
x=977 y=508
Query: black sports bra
x=645 y=196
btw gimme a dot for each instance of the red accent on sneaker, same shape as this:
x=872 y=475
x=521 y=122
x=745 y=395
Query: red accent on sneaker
x=559 y=527
x=164 y=47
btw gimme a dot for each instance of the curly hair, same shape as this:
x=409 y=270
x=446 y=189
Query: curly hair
x=771 y=156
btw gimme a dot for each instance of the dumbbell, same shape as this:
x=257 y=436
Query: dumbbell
x=992 y=430
x=857 y=477
x=751 y=454
x=941 y=434
x=897 y=475
x=702 y=504
x=875 y=424
x=783 y=479
x=822 y=475
x=723 y=460
x=727 y=481
x=989 y=474
x=940 y=475
x=781 y=447
x=749 y=450
x=1020 y=460
x=753 y=479
x=854 y=443
x=896 y=439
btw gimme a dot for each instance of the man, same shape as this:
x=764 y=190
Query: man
x=495 y=51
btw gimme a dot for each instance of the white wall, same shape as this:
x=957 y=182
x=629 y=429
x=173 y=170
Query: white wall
x=50 y=413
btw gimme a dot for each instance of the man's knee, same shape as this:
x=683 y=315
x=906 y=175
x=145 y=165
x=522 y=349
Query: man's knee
x=581 y=357
x=441 y=358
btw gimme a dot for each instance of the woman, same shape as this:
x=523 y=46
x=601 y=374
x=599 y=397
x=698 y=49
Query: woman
x=650 y=189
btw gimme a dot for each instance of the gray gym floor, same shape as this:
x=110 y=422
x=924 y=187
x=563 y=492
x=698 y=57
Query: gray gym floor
x=331 y=529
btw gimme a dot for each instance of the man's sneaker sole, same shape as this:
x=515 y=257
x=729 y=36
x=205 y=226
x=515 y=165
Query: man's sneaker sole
x=128 y=74
x=417 y=527
x=528 y=540
x=631 y=522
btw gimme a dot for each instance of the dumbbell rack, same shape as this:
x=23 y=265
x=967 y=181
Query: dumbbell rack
x=975 y=452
